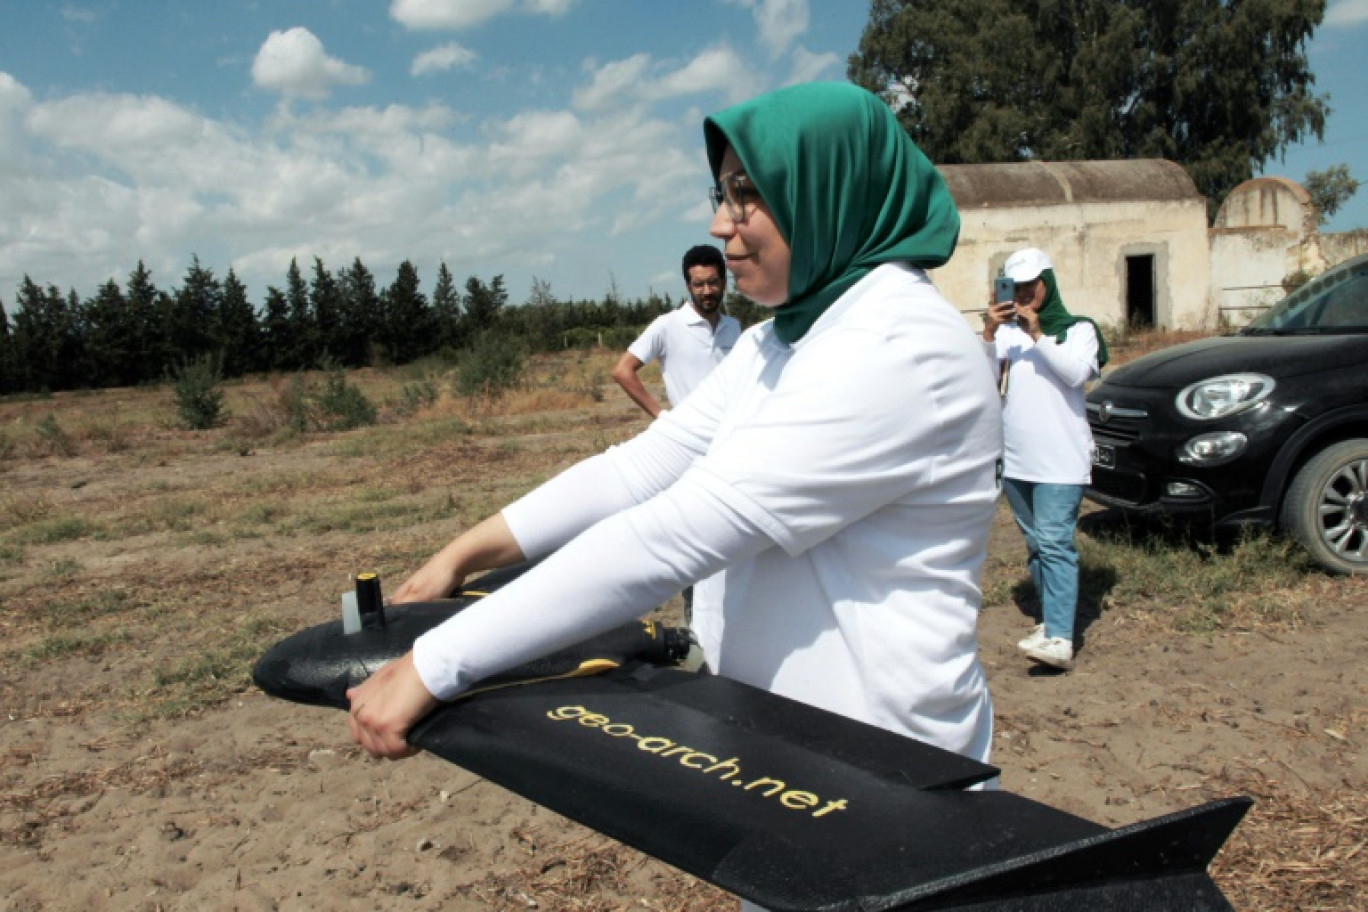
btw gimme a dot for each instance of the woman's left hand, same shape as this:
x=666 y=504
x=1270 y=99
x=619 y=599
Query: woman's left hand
x=1028 y=320
x=386 y=706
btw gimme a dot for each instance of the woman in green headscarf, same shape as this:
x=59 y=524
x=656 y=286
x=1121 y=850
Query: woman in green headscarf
x=829 y=487
x=1047 y=355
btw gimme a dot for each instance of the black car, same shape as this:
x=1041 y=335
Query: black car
x=1268 y=426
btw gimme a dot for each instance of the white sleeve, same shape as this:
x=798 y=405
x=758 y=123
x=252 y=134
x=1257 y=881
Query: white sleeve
x=1074 y=361
x=650 y=343
x=615 y=571
x=990 y=350
x=587 y=492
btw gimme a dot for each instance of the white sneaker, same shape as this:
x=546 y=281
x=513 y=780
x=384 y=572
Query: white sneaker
x=1033 y=638
x=1056 y=652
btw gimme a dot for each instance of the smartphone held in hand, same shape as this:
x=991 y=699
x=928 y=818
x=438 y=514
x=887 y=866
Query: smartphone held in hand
x=1004 y=289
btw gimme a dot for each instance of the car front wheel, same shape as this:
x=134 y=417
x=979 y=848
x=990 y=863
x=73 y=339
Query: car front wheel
x=1326 y=507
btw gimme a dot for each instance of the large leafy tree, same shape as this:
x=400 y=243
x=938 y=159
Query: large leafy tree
x=1330 y=189
x=1220 y=86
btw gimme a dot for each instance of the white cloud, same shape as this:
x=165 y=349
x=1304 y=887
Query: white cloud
x=79 y=14
x=445 y=14
x=294 y=63
x=110 y=179
x=15 y=100
x=717 y=69
x=1346 y=13
x=612 y=82
x=446 y=57
x=550 y=7
x=780 y=22
x=633 y=80
x=810 y=67
x=463 y=14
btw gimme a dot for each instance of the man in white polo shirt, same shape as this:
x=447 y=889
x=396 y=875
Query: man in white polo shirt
x=690 y=341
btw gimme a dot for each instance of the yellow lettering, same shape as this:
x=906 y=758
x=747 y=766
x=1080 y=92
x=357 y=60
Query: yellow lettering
x=837 y=805
x=725 y=770
x=776 y=785
x=567 y=712
x=730 y=765
x=654 y=745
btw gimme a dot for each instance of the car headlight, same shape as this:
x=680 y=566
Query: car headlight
x=1218 y=397
x=1212 y=449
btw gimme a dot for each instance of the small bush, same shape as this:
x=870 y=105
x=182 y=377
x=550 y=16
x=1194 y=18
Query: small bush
x=342 y=406
x=52 y=439
x=199 y=402
x=494 y=364
x=415 y=396
x=305 y=405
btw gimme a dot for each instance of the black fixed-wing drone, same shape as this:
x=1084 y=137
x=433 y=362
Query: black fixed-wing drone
x=792 y=807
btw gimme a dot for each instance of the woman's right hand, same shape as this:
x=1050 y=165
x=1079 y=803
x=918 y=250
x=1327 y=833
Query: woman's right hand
x=485 y=546
x=436 y=579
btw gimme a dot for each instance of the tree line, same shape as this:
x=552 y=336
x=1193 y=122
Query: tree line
x=135 y=333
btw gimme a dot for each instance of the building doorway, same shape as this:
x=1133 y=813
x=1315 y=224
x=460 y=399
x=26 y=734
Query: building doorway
x=1140 y=291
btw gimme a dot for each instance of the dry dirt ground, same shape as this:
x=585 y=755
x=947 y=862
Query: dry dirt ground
x=137 y=774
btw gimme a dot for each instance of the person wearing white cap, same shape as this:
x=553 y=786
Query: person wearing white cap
x=1047 y=355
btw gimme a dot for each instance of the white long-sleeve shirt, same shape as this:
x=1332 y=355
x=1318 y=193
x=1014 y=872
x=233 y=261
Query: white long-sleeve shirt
x=835 y=498
x=1045 y=419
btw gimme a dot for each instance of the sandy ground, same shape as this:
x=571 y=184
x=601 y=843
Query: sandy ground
x=254 y=804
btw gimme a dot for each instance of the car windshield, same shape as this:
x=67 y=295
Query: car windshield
x=1336 y=302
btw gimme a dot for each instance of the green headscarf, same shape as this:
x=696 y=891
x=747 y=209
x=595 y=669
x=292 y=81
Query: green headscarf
x=1055 y=319
x=847 y=187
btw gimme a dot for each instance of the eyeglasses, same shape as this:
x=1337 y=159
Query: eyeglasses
x=737 y=191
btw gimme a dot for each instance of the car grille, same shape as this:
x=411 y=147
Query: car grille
x=1120 y=424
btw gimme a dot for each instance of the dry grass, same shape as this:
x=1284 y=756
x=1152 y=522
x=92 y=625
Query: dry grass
x=143 y=538
x=1294 y=850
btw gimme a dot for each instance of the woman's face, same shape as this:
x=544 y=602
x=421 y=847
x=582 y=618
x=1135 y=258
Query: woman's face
x=757 y=254
x=1031 y=294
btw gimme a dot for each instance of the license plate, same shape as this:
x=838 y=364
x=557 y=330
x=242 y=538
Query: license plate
x=1104 y=456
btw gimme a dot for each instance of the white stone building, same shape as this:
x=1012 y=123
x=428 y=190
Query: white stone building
x=1130 y=241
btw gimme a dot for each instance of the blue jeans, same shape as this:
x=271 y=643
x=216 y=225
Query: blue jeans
x=1046 y=515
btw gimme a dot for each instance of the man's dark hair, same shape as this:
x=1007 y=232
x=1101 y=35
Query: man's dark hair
x=705 y=255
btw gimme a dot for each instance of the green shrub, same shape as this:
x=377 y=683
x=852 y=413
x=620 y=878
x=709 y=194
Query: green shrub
x=342 y=406
x=333 y=405
x=199 y=402
x=53 y=439
x=492 y=365
x=415 y=396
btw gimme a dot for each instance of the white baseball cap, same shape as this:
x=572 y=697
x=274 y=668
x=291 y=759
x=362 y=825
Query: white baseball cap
x=1026 y=265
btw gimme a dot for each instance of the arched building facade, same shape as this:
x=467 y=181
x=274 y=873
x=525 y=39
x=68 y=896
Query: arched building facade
x=1130 y=240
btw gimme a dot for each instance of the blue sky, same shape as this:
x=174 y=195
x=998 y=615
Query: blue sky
x=550 y=139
